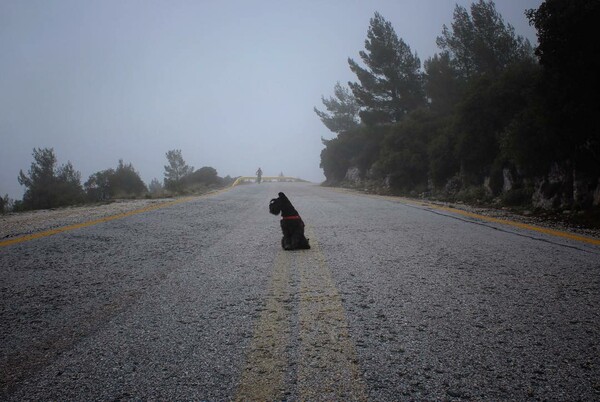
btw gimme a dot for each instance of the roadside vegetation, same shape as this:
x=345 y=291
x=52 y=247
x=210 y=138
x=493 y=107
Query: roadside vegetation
x=48 y=185
x=488 y=120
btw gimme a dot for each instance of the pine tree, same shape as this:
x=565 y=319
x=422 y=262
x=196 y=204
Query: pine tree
x=342 y=110
x=176 y=170
x=481 y=42
x=49 y=186
x=391 y=84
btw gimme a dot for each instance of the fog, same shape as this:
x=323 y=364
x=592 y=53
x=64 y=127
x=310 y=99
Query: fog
x=230 y=83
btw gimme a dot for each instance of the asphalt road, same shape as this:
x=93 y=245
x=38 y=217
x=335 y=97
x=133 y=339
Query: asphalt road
x=395 y=301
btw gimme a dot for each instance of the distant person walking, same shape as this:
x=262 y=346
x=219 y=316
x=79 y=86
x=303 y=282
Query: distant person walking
x=258 y=175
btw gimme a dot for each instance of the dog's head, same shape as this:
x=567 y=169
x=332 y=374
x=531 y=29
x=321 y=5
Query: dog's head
x=282 y=205
x=275 y=206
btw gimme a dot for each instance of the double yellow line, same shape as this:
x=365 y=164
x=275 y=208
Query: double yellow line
x=328 y=367
x=264 y=376
x=325 y=366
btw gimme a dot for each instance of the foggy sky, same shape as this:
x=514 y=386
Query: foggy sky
x=230 y=83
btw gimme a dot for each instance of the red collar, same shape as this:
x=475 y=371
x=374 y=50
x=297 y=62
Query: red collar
x=291 y=217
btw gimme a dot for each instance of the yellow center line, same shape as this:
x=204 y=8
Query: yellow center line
x=263 y=378
x=63 y=229
x=502 y=221
x=328 y=367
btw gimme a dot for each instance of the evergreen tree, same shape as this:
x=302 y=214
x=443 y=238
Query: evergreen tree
x=126 y=182
x=176 y=170
x=97 y=186
x=335 y=159
x=568 y=52
x=342 y=110
x=6 y=204
x=200 y=179
x=404 y=155
x=68 y=185
x=156 y=188
x=481 y=43
x=49 y=186
x=390 y=86
x=443 y=85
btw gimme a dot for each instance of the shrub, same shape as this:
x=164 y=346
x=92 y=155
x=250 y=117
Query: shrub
x=514 y=197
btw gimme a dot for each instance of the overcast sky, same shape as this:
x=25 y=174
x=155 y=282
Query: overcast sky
x=230 y=83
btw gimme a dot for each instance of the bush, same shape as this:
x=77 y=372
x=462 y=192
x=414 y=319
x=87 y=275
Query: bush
x=156 y=188
x=126 y=182
x=6 y=204
x=443 y=163
x=517 y=197
x=123 y=182
x=206 y=175
x=473 y=195
x=97 y=187
x=200 y=181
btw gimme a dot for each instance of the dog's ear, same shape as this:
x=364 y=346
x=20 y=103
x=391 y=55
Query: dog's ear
x=281 y=195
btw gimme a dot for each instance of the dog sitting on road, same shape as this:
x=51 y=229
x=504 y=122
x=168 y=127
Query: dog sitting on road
x=292 y=225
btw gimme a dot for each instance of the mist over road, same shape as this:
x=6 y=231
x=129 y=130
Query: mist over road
x=394 y=301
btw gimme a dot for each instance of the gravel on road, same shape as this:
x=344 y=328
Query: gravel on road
x=17 y=224
x=395 y=301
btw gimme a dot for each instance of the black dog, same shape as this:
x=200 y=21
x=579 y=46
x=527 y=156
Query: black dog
x=292 y=225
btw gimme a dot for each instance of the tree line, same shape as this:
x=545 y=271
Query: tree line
x=487 y=118
x=48 y=185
